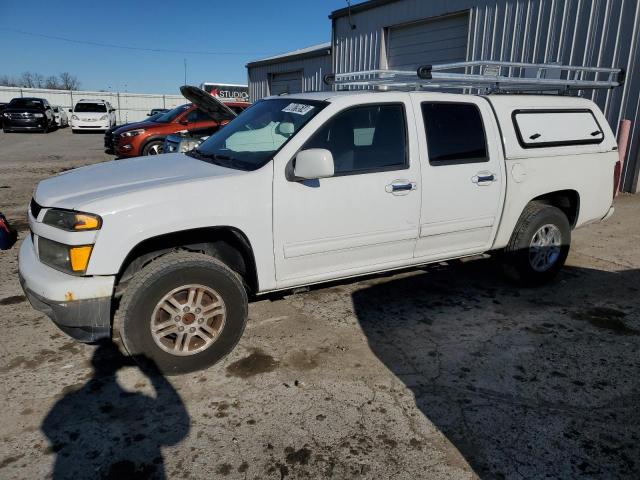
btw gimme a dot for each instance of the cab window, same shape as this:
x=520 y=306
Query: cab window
x=455 y=133
x=365 y=139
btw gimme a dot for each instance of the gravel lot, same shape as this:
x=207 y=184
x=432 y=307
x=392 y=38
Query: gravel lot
x=447 y=372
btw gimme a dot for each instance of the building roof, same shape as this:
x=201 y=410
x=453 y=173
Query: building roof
x=343 y=12
x=308 y=52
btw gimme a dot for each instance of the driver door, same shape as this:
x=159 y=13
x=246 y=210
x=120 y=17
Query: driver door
x=366 y=216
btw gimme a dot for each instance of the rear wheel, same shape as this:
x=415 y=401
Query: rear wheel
x=185 y=311
x=539 y=245
x=153 y=148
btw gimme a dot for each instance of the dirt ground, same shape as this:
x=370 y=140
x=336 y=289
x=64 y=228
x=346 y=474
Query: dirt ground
x=447 y=372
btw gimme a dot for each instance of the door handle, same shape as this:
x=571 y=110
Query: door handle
x=400 y=187
x=483 y=178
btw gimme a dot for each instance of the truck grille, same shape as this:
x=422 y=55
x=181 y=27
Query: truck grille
x=35 y=208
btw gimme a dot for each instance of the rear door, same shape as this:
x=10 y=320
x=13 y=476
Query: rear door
x=462 y=175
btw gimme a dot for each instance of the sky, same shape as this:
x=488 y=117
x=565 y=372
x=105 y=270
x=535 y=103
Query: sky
x=231 y=33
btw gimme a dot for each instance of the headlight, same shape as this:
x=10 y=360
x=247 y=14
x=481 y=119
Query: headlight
x=38 y=115
x=67 y=258
x=6 y=115
x=132 y=133
x=73 y=117
x=188 y=145
x=103 y=117
x=71 y=221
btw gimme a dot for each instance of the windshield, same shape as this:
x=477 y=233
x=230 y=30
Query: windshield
x=171 y=114
x=249 y=141
x=90 y=107
x=26 y=103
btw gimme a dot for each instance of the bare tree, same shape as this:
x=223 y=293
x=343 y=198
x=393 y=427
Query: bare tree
x=69 y=82
x=7 y=81
x=38 y=80
x=52 y=83
x=26 y=80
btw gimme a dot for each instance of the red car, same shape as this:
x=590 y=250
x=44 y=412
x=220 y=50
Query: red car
x=206 y=114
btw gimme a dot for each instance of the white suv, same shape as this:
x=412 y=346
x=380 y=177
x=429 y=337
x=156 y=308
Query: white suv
x=304 y=189
x=92 y=115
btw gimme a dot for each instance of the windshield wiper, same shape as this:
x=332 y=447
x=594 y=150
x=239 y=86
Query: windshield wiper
x=217 y=159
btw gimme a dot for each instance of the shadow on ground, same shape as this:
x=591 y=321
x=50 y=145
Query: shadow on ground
x=526 y=383
x=103 y=431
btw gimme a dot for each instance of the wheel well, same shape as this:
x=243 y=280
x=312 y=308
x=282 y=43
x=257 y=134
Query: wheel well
x=566 y=200
x=151 y=139
x=227 y=244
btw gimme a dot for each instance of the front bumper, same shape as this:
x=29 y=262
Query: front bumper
x=79 y=306
x=80 y=125
x=25 y=125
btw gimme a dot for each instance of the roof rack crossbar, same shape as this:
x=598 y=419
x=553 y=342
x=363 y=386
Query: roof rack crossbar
x=492 y=78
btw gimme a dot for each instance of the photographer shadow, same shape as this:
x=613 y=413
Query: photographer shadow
x=531 y=383
x=103 y=431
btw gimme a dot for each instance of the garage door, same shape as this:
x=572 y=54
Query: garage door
x=439 y=40
x=290 y=82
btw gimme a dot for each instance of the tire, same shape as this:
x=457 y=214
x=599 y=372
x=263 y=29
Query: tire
x=549 y=228
x=154 y=147
x=180 y=272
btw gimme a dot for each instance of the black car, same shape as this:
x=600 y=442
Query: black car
x=109 y=140
x=28 y=114
x=3 y=105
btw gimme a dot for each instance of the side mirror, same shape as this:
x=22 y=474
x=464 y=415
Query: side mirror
x=314 y=163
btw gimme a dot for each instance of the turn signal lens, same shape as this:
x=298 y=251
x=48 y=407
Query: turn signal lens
x=79 y=257
x=71 y=221
x=86 y=222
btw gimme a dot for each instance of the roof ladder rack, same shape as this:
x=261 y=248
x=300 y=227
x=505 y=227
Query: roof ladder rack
x=493 y=77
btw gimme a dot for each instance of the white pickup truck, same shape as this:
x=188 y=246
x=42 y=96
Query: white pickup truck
x=304 y=189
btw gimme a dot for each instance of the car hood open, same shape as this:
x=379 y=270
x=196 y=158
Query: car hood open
x=207 y=103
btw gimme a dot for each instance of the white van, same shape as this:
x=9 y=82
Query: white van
x=92 y=115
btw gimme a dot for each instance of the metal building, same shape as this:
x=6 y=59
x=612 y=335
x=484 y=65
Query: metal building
x=408 y=33
x=294 y=72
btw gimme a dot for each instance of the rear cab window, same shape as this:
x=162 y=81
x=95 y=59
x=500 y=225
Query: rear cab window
x=553 y=128
x=455 y=133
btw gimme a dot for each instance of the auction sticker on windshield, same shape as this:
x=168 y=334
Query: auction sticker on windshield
x=299 y=108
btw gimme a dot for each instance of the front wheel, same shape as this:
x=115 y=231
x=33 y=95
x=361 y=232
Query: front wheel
x=539 y=245
x=185 y=311
x=153 y=148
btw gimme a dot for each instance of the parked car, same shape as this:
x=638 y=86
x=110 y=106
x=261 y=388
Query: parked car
x=204 y=114
x=28 y=114
x=305 y=189
x=60 y=116
x=184 y=140
x=92 y=115
x=155 y=111
x=109 y=139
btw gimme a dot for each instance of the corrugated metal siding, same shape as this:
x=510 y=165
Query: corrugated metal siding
x=130 y=107
x=580 y=32
x=313 y=71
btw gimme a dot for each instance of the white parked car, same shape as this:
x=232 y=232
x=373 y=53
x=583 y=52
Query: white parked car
x=60 y=116
x=309 y=188
x=92 y=115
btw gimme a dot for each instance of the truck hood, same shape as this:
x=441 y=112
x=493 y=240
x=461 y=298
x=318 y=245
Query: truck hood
x=75 y=188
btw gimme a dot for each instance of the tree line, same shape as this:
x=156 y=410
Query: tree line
x=64 y=81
